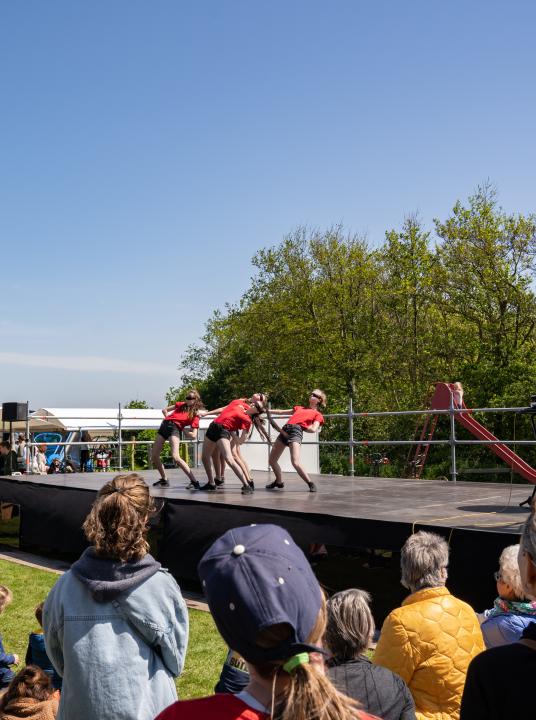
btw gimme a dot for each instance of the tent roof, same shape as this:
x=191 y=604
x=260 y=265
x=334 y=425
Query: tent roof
x=90 y=419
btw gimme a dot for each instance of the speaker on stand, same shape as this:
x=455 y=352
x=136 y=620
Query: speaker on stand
x=14 y=412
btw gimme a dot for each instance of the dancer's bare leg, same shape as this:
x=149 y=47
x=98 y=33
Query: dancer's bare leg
x=275 y=454
x=295 y=448
x=225 y=448
x=175 y=443
x=155 y=455
x=206 y=458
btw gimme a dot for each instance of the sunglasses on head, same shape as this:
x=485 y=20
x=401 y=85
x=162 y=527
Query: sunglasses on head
x=318 y=397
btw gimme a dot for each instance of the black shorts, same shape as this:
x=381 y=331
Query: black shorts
x=168 y=428
x=294 y=432
x=215 y=432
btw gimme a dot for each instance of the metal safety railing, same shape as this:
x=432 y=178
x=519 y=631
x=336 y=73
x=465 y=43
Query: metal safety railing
x=351 y=443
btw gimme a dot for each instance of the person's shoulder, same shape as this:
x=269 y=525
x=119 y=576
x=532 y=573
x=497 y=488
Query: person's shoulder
x=222 y=706
x=500 y=656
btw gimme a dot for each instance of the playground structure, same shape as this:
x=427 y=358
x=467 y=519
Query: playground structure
x=443 y=399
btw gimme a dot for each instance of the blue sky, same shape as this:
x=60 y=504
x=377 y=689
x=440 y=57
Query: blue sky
x=148 y=149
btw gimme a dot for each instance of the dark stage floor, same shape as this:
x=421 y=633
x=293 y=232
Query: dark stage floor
x=361 y=517
x=468 y=505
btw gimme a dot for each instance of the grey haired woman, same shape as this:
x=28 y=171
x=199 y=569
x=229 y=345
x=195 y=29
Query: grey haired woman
x=348 y=635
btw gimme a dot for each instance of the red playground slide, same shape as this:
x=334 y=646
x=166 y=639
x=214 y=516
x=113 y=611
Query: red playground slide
x=441 y=401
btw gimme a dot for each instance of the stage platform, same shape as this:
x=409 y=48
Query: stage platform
x=479 y=519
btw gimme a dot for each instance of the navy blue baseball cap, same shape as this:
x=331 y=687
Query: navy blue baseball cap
x=255 y=577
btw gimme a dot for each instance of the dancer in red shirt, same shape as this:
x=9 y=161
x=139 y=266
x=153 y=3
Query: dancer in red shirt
x=301 y=420
x=177 y=417
x=237 y=416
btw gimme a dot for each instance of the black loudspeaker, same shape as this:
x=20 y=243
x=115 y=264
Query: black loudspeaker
x=11 y=412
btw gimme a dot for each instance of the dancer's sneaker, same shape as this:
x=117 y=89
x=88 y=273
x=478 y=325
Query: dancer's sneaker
x=247 y=490
x=251 y=484
x=275 y=485
x=161 y=483
x=208 y=487
x=312 y=487
x=219 y=481
x=194 y=485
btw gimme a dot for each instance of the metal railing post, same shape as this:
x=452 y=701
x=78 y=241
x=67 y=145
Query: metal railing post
x=452 y=440
x=351 y=436
x=119 y=432
x=28 y=459
x=270 y=442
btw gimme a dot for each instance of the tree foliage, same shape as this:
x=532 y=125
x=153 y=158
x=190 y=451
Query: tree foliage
x=381 y=325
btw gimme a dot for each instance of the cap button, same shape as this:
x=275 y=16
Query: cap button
x=239 y=550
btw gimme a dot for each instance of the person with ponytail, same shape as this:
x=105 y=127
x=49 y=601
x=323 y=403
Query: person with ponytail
x=115 y=624
x=268 y=606
x=177 y=417
x=499 y=680
x=30 y=695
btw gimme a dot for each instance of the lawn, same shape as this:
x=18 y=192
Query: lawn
x=206 y=650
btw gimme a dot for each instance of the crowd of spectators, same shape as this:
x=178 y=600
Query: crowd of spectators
x=114 y=633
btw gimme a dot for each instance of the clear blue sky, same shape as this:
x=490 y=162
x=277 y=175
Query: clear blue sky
x=147 y=149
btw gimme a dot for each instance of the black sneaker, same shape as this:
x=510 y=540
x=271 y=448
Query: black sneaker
x=208 y=487
x=194 y=485
x=275 y=485
x=251 y=484
x=312 y=487
x=246 y=490
x=161 y=483
x=219 y=481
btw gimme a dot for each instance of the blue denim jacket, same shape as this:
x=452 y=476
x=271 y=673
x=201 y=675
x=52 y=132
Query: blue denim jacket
x=6 y=659
x=36 y=654
x=118 y=654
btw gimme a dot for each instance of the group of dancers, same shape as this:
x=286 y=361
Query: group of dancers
x=231 y=427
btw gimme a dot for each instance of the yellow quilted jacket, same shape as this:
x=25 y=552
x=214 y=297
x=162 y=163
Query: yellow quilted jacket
x=429 y=642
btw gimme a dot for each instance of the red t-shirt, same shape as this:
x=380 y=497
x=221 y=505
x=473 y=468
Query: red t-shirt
x=305 y=416
x=234 y=417
x=180 y=416
x=222 y=707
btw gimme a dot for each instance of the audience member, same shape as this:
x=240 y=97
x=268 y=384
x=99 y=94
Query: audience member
x=39 y=463
x=433 y=637
x=511 y=611
x=499 y=680
x=54 y=467
x=268 y=606
x=21 y=451
x=234 y=675
x=36 y=653
x=115 y=624
x=102 y=458
x=29 y=695
x=6 y=659
x=349 y=633
x=8 y=458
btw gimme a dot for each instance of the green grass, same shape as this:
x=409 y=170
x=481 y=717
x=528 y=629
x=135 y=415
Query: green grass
x=206 y=650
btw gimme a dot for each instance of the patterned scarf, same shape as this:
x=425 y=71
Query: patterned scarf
x=514 y=607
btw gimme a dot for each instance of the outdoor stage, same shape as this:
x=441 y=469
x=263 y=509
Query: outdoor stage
x=478 y=519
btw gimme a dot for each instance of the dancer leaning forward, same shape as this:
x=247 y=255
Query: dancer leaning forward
x=235 y=417
x=177 y=418
x=302 y=419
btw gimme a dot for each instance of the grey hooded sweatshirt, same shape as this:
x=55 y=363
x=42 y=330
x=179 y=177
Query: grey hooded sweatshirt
x=117 y=633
